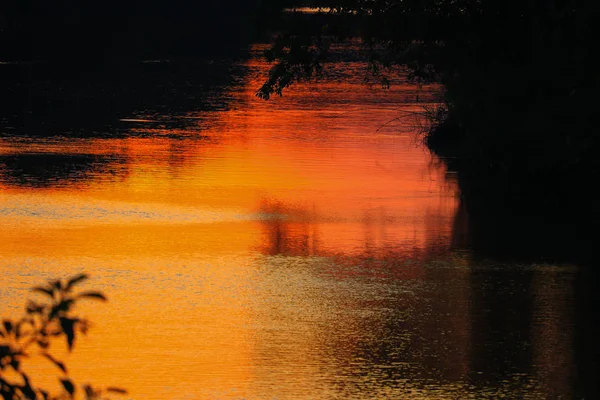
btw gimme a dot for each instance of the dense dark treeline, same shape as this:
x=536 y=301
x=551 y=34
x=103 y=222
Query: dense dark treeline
x=518 y=121
x=101 y=30
x=519 y=127
x=75 y=67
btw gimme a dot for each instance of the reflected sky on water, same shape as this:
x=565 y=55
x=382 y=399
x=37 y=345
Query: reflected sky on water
x=303 y=247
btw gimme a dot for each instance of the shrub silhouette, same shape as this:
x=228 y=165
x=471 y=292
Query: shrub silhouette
x=43 y=324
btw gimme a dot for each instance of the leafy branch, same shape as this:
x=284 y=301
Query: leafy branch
x=44 y=323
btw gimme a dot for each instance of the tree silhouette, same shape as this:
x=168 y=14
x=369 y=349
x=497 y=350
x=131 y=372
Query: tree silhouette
x=517 y=120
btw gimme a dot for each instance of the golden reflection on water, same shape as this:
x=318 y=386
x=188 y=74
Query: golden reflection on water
x=284 y=252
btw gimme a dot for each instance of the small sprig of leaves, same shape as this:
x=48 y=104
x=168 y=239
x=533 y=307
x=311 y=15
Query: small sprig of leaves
x=295 y=58
x=44 y=323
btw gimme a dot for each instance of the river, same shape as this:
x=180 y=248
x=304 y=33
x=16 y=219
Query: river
x=298 y=248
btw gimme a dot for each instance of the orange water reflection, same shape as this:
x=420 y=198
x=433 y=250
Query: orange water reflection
x=264 y=257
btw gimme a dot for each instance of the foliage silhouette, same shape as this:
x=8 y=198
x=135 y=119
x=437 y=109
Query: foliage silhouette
x=43 y=324
x=518 y=114
x=516 y=73
x=96 y=33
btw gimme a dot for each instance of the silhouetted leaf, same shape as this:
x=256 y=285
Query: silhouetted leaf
x=7 y=325
x=83 y=326
x=75 y=280
x=54 y=312
x=68 y=385
x=18 y=329
x=67 y=326
x=27 y=389
x=65 y=305
x=33 y=307
x=116 y=390
x=92 y=295
x=59 y=364
x=89 y=392
x=43 y=290
x=15 y=363
x=6 y=395
x=56 y=284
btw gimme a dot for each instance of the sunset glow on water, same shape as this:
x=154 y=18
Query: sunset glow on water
x=296 y=248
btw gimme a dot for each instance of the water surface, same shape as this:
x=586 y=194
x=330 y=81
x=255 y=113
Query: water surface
x=304 y=247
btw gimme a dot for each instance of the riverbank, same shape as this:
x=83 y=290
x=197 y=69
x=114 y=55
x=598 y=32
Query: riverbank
x=518 y=129
x=115 y=32
x=527 y=181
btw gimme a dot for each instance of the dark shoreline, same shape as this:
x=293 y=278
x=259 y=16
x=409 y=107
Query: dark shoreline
x=512 y=212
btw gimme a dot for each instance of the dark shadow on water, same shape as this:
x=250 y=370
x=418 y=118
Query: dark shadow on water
x=526 y=219
x=42 y=100
x=587 y=320
x=158 y=99
x=553 y=217
x=501 y=311
x=52 y=170
x=511 y=308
